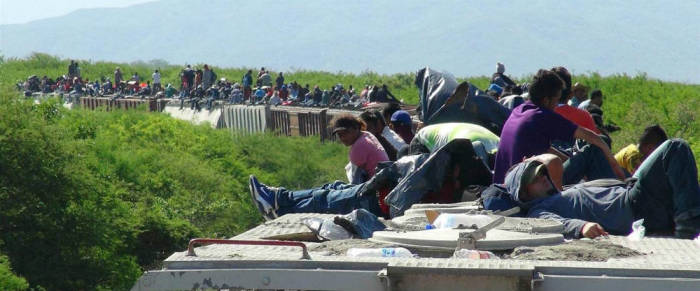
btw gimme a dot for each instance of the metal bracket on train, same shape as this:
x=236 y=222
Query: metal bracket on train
x=467 y=240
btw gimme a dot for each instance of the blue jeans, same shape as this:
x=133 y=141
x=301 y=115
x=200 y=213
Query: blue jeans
x=336 y=198
x=667 y=190
x=210 y=102
x=589 y=162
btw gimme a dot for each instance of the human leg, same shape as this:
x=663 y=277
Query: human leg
x=336 y=197
x=667 y=187
x=590 y=162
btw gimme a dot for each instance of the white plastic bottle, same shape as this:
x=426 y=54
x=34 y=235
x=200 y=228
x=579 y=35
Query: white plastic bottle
x=379 y=253
x=452 y=220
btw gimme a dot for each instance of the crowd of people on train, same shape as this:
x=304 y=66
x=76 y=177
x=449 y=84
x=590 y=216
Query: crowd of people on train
x=202 y=87
x=551 y=158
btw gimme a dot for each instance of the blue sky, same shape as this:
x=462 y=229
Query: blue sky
x=22 y=11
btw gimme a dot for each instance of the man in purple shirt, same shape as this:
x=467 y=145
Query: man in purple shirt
x=533 y=125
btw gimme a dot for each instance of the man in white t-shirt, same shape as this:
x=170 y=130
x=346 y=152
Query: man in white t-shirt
x=156 y=82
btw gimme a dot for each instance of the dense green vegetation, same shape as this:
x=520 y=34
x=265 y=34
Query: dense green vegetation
x=89 y=199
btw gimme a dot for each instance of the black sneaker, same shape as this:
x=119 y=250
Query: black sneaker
x=264 y=198
x=688 y=228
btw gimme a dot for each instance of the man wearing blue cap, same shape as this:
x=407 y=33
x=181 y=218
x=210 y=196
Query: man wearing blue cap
x=401 y=123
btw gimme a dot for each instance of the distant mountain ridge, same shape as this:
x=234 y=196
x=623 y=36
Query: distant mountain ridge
x=466 y=38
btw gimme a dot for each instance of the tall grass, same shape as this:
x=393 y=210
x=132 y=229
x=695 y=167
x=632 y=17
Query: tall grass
x=90 y=198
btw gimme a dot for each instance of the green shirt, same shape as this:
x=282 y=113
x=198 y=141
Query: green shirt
x=437 y=135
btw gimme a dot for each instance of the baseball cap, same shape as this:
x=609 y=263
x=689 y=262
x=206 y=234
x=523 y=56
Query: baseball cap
x=401 y=116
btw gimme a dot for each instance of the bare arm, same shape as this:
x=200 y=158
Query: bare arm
x=592 y=138
x=557 y=153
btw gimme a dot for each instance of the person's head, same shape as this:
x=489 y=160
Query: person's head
x=249 y=72
x=156 y=70
x=348 y=128
x=565 y=76
x=401 y=118
x=536 y=182
x=545 y=90
x=652 y=137
x=206 y=67
x=597 y=97
x=389 y=109
x=384 y=86
x=262 y=69
x=500 y=68
x=374 y=121
x=579 y=91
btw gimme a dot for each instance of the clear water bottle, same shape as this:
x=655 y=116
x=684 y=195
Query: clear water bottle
x=452 y=220
x=379 y=253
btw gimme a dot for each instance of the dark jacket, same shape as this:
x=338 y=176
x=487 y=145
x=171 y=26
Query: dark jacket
x=436 y=88
x=417 y=175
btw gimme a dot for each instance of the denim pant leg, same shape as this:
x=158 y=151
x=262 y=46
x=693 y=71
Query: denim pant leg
x=337 y=185
x=667 y=188
x=590 y=162
x=336 y=198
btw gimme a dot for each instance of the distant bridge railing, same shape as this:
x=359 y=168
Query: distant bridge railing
x=110 y=103
x=281 y=120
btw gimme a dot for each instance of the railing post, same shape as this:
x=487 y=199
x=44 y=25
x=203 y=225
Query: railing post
x=323 y=125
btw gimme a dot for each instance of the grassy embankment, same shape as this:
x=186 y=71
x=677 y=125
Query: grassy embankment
x=88 y=199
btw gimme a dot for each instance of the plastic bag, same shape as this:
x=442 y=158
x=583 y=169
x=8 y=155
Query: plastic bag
x=474 y=254
x=326 y=229
x=638 y=231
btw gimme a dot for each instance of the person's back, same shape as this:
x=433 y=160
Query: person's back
x=279 y=81
x=584 y=104
x=529 y=131
x=207 y=77
x=259 y=94
x=531 y=127
x=169 y=91
x=578 y=116
x=435 y=136
x=265 y=79
x=247 y=80
x=367 y=152
x=325 y=97
x=117 y=76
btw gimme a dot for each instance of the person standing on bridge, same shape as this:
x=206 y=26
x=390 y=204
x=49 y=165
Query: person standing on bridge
x=208 y=77
x=156 y=82
x=247 y=82
x=117 y=79
x=279 y=81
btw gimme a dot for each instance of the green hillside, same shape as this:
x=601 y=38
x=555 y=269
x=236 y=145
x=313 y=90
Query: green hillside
x=89 y=199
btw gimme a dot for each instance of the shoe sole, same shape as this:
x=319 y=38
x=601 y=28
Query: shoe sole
x=263 y=207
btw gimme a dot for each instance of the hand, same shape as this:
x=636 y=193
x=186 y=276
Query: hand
x=592 y=230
